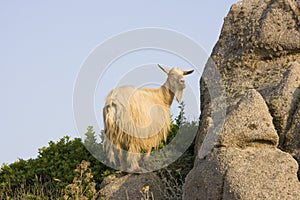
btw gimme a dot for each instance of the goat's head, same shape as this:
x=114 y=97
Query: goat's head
x=175 y=81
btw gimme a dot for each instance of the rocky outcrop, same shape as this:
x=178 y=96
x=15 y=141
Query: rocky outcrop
x=258 y=56
x=163 y=184
x=251 y=173
x=245 y=163
x=284 y=99
x=249 y=123
x=132 y=186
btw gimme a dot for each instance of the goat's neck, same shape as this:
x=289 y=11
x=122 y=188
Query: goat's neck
x=168 y=95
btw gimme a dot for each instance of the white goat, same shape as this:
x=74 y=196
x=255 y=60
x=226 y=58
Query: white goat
x=138 y=119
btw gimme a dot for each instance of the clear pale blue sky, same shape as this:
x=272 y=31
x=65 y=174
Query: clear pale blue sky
x=43 y=44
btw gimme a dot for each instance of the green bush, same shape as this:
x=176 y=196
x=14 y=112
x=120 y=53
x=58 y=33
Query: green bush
x=53 y=168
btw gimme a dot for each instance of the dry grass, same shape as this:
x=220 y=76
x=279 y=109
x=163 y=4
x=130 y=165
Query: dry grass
x=82 y=188
x=38 y=191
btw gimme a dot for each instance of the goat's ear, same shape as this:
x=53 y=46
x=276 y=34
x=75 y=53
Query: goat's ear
x=188 y=72
x=163 y=68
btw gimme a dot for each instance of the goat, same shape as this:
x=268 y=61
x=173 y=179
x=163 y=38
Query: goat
x=138 y=119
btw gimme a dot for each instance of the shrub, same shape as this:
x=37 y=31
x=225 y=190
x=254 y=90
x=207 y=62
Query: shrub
x=53 y=168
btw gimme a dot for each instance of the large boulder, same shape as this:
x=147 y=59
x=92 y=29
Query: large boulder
x=250 y=155
x=245 y=163
x=249 y=123
x=251 y=173
x=132 y=186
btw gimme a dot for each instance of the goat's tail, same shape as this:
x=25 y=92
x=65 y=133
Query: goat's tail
x=109 y=114
x=110 y=129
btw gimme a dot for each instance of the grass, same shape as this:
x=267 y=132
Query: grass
x=82 y=188
x=38 y=191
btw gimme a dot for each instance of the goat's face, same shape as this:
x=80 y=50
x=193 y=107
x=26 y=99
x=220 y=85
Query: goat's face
x=175 y=81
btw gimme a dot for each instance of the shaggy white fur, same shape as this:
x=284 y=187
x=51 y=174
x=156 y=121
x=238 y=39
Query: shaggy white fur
x=138 y=119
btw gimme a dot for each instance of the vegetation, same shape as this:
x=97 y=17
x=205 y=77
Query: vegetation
x=175 y=125
x=82 y=187
x=51 y=171
x=67 y=170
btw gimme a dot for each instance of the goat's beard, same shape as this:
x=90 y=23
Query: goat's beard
x=178 y=95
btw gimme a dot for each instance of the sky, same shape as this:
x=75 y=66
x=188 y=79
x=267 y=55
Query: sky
x=43 y=45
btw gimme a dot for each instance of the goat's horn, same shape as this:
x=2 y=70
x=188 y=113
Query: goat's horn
x=188 y=72
x=163 y=68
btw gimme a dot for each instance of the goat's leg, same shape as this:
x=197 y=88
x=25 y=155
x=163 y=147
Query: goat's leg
x=148 y=152
x=132 y=160
x=146 y=159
